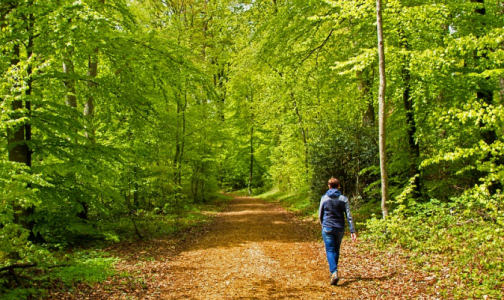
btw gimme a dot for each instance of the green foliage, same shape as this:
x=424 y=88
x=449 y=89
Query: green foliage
x=467 y=231
x=14 y=245
x=144 y=149
x=89 y=267
x=344 y=155
x=79 y=267
x=19 y=294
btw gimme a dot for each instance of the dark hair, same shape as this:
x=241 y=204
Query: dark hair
x=333 y=183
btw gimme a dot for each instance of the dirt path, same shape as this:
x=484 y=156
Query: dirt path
x=256 y=251
x=253 y=250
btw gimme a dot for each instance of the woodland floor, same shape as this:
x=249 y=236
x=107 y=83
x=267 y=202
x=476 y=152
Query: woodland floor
x=253 y=250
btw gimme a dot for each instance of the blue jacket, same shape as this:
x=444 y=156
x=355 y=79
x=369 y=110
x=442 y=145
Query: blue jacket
x=333 y=208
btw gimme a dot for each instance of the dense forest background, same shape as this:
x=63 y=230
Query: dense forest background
x=117 y=114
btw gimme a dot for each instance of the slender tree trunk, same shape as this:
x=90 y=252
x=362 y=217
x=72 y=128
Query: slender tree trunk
x=29 y=90
x=182 y=145
x=485 y=95
x=368 y=118
x=30 y=225
x=501 y=85
x=71 y=100
x=251 y=169
x=18 y=139
x=414 y=148
x=180 y=139
x=89 y=111
x=203 y=184
x=177 y=143
x=196 y=188
x=89 y=114
x=303 y=131
x=89 y=105
x=68 y=69
x=357 y=155
x=381 y=111
x=194 y=180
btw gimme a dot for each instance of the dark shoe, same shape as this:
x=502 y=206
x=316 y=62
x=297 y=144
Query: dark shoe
x=334 y=278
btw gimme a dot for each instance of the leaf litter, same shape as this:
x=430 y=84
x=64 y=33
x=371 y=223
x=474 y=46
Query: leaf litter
x=253 y=250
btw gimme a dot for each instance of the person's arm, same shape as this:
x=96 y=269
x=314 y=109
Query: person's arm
x=321 y=211
x=350 y=220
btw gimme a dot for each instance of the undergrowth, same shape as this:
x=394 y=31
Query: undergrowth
x=87 y=266
x=83 y=261
x=461 y=242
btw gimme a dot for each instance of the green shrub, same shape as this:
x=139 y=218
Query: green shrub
x=467 y=232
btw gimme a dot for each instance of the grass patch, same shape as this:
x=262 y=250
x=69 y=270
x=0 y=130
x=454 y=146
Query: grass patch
x=87 y=267
x=300 y=204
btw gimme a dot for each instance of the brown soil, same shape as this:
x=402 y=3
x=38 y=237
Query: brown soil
x=256 y=250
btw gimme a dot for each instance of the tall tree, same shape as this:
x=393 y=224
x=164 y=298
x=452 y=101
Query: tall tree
x=382 y=115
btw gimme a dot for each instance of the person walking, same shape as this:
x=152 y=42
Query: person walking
x=333 y=208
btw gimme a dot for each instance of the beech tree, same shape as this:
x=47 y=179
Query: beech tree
x=381 y=111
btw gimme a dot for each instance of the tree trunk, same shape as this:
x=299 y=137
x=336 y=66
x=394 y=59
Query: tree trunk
x=251 y=169
x=89 y=111
x=89 y=114
x=368 y=118
x=382 y=117
x=71 y=100
x=485 y=96
x=68 y=69
x=501 y=85
x=177 y=143
x=16 y=139
x=414 y=148
x=182 y=145
x=30 y=225
x=89 y=105
x=29 y=90
x=303 y=132
x=180 y=139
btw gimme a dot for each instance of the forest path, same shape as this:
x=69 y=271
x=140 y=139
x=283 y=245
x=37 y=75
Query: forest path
x=256 y=250
x=252 y=250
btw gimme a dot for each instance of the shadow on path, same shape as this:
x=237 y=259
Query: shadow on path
x=250 y=220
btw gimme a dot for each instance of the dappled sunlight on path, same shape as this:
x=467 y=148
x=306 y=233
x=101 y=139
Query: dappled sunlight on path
x=255 y=250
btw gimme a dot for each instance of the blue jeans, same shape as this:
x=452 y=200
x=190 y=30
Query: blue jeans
x=332 y=240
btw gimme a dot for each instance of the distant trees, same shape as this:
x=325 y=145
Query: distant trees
x=106 y=112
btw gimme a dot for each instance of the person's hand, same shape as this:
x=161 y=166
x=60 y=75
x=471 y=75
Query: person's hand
x=354 y=236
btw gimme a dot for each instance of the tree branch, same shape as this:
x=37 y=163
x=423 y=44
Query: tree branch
x=318 y=48
x=18 y=266
x=156 y=50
